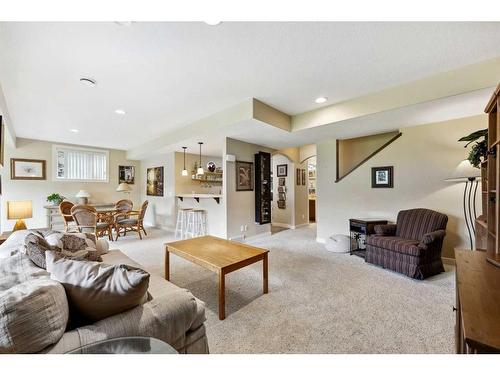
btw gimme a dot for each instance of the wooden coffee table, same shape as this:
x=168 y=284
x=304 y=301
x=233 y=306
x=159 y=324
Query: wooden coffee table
x=220 y=256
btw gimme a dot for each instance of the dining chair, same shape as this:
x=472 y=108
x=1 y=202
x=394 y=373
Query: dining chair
x=86 y=218
x=124 y=223
x=65 y=211
x=123 y=206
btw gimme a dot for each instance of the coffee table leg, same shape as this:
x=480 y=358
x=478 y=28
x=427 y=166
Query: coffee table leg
x=222 y=295
x=265 y=274
x=167 y=264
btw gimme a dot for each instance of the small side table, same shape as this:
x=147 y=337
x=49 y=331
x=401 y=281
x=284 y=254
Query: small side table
x=359 y=229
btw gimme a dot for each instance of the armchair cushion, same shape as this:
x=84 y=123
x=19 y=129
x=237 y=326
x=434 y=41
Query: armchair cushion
x=129 y=221
x=429 y=238
x=385 y=230
x=396 y=244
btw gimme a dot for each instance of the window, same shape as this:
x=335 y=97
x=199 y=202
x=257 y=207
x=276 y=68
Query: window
x=80 y=164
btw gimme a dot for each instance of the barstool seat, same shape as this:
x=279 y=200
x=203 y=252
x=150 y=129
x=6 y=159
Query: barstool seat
x=182 y=220
x=196 y=223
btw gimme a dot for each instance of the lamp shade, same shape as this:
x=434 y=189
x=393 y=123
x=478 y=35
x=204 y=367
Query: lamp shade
x=83 y=194
x=19 y=210
x=123 y=187
x=464 y=171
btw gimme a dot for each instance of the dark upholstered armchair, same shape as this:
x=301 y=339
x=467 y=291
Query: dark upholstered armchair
x=412 y=246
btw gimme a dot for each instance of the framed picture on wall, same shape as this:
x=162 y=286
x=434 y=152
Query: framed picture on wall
x=154 y=182
x=126 y=173
x=281 y=181
x=298 y=176
x=382 y=177
x=244 y=176
x=27 y=169
x=303 y=177
x=282 y=170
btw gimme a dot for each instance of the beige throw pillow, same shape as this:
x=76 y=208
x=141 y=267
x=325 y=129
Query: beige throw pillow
x=96 y=290
x=33 y=308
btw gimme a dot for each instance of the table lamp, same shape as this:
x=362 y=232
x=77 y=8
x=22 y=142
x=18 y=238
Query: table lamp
x=19 y=210
x=124 y=188
x=466 y=172
x=84 y=196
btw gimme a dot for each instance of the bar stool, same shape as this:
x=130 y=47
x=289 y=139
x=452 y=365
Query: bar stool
x=182 y=221
x=196 y=223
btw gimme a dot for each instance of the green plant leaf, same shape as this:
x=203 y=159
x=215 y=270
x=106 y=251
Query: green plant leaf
x=475 y=135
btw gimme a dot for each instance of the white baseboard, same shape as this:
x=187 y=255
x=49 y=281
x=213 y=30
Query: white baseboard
x=301 y=225
x=242 y=238
x=289 y=226
x=283 y=225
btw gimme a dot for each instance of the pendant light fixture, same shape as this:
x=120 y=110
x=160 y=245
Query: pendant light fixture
x=184 y=171
x=200 y=170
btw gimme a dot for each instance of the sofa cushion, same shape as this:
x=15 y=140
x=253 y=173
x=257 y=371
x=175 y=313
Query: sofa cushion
x=161 y=288
x=33 y=308
x=96 y=290
x=396 y=244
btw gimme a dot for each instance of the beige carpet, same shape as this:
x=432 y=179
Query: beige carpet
x=318 y=302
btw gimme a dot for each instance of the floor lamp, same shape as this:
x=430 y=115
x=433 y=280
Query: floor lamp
x=465 y=172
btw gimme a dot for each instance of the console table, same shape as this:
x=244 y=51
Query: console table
x=55 y=220
x=359 y=229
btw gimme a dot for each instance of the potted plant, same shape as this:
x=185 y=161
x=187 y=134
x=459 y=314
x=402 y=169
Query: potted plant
x=479 y=150
x=55 y=199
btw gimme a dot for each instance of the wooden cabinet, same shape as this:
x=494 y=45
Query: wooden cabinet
x=312 y=210
x=263 y=194
x=477 y=328
x=488 y=224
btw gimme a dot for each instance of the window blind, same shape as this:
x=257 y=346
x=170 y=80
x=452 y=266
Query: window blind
x=78 y=164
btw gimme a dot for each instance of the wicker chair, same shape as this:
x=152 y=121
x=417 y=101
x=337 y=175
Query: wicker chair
x=65 y=211
x=123 y=206
x=86 y=219
x=127 y=223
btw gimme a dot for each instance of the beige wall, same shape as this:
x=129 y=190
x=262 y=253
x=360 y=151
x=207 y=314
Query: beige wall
x=184 y=184
x=422 y=158
x=283 y=217
x=161 y=210
x=37 y=191
x=307 y=152
x=240 y=205
x=354 y=150
x=296 y=211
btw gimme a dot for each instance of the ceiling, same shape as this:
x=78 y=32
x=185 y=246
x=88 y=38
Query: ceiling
x=166 y=75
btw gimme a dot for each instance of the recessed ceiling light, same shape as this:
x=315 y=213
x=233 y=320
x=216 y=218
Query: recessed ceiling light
x=321 y=99
x=74 y=130
x=88 y=81
x=213 y=23
x=124 y=23
x=119 y=111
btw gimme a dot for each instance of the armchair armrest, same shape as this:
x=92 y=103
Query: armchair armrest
x=385 y=230
x=431 y=237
